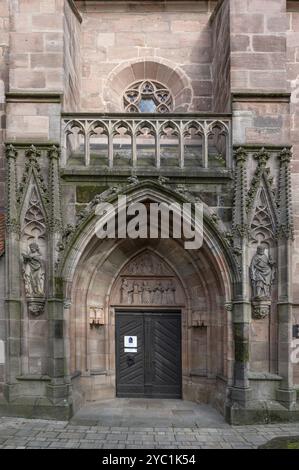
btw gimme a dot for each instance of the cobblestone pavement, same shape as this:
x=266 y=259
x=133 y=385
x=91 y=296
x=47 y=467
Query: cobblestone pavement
x=19 y=433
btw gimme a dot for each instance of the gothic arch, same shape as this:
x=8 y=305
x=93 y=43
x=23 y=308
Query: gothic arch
x=214 y=241
x=90 y=271
x=157 y=69
x=201 y=303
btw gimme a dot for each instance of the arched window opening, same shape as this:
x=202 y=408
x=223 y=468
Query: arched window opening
x=148 y=97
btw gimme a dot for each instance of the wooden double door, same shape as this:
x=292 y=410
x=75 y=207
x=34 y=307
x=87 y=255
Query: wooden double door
x=148 y=354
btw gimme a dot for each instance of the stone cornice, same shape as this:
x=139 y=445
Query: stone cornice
x=38 y=145
x=33 y=97
x=256 y=146
x=157 y=116
x=258 y=96
x=102 y=173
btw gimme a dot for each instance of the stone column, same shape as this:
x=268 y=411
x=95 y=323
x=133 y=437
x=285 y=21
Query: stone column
x=286 y=393
x=240 y=392
x=13 y=302
x=58 y=389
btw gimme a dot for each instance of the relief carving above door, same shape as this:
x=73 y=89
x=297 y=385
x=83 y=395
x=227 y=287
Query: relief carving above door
x=147 y=280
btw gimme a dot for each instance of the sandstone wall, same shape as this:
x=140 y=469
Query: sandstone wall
x=72 y=58
x=293 y=80
x=220 y=23
x=258 y=66
x=175 y=33
x=4 y=44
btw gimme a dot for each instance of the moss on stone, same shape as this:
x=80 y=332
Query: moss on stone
x=293 y=445
x=282 y=443
x=242 y=351
x=86 y=193
x=59 y=286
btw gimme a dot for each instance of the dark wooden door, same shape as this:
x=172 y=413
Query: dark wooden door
x=155 y=369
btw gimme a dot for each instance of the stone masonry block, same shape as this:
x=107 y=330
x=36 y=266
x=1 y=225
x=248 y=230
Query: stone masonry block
x=242 y=23
x=266 y=6
x=50 y=60
x=47 y=22
x=23 y=79
x=26 y=42
x=269 y=43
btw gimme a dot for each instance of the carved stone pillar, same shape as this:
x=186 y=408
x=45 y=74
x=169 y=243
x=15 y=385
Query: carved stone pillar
x=286 y=393
x=59 y=387
x=12 y=276
x=240 y=392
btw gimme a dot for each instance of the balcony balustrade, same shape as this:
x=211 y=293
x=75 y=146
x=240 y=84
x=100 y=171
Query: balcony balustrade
x=185 y=141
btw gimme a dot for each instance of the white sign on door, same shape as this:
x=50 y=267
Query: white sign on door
x=130 y=341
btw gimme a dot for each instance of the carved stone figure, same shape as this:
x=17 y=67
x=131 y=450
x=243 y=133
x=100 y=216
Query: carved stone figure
x=146 y=293
x=124 y=289
x=147 y=265
x=130 y=293
x=33 y=271
x=261 y=274
x=36 y=307
x=157 y=294
x=137 y=291
x=170 y=293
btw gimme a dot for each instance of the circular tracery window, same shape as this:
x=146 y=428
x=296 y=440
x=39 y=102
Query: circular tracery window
x=147 y=97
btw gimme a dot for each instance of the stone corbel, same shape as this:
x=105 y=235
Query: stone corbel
x=96 y=316
x=261 y=309
x=35 y=306
x=198 y=320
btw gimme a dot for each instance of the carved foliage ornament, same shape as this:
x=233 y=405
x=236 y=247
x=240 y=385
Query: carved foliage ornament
x=262 y=225
x=260 y=310
x=32 y=166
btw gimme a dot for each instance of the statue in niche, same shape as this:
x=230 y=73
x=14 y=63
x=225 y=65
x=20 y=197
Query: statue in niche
x=33 y=271
x=261 y=274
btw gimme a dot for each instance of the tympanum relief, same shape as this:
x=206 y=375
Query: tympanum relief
x=147 y=281
x=144 y=291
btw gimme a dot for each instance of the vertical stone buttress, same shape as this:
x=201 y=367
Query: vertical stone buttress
x=13 y=302
x=241 y=304
x=58 y=389
x=286 y=393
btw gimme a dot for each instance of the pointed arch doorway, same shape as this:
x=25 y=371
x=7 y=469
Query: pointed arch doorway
x=152 y=367
x=148 y=355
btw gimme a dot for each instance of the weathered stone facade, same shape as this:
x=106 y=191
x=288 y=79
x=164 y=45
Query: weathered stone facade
x=230 y=68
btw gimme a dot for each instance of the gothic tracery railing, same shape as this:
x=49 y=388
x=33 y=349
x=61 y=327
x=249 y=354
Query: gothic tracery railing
x=146 y=140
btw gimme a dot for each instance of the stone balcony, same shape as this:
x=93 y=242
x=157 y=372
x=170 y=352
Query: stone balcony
x=181 y=144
